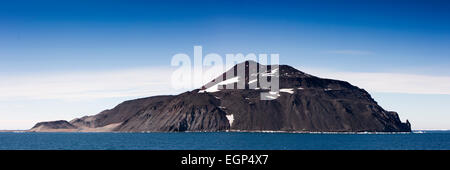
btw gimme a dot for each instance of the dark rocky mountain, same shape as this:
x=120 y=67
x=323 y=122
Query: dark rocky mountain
x=304 y=103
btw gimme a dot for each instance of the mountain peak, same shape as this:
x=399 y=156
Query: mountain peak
x=253 y=72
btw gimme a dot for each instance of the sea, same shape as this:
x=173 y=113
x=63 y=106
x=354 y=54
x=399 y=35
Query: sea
x=418 y=140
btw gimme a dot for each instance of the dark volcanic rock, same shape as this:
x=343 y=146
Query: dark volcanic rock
x=304 y=103
x=58 y=124
x=120 y=113
x=52 y=125
x=190 y=111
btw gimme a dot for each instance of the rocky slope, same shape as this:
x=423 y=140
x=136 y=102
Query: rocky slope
x=54 y=126
x=304 y=103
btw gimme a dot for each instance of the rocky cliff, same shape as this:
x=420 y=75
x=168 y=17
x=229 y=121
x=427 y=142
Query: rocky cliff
x=304 y=103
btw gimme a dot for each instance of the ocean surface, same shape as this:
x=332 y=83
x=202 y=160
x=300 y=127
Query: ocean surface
x=429 y=140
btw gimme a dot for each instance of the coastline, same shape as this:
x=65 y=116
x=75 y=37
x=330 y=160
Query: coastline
x=233 y=131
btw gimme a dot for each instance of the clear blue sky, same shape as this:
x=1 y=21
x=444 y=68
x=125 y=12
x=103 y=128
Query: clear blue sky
x=401 y=37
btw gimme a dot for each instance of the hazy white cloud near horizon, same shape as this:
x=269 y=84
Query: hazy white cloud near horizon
x=87 y=85
x=153 y=81
x=70 y=93
x=389 y=82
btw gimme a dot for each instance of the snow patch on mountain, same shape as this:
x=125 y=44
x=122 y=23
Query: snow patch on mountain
x=272 y=73
x=290 y=91
x=215 y=87
x=230 y=119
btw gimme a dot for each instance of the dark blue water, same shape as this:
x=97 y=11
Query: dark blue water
x=225 y=141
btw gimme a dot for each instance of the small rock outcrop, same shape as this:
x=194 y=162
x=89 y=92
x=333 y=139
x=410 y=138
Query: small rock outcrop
x=53 y=126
